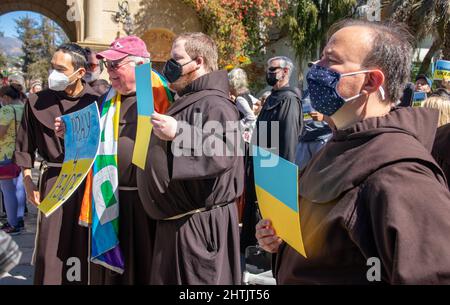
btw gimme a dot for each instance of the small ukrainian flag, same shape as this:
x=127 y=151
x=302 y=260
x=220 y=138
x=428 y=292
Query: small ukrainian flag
x=276 y=184
x=152 y=94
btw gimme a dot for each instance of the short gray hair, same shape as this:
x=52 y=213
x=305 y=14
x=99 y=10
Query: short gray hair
x=238 y=81
x=285 y=62
x=391 y=52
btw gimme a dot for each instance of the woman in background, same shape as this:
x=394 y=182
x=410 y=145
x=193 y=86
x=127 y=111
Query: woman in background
x=442 y=104
x=243 y=99
x=12 y=189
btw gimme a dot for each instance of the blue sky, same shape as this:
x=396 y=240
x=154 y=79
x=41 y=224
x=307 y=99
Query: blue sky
x=7 y=24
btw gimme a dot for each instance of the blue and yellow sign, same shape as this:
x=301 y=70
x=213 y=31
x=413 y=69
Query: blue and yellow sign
x=442 y=70
x=276 y=184
x=419 y=98
x=145 y=108
x=82 y=138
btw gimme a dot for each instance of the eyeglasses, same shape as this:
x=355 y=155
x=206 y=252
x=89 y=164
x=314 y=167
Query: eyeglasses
x=273 y=69
x=115 y=65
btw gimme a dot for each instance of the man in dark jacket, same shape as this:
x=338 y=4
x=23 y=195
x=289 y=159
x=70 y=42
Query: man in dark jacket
x=374 y=205
x=189 y=186
x=282 y=108
x=278 y=128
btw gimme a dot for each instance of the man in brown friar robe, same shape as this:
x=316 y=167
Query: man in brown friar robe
x=58 y=237
x=192 y=191
x=374 y=205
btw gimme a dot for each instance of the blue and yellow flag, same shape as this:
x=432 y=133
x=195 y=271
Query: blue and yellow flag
x=152 y=94
x=276 y=185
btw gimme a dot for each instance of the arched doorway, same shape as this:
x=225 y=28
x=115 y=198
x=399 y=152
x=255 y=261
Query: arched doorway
x=56 y=10
x=159 y=43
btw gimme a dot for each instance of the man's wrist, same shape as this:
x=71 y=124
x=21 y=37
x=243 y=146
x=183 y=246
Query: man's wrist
x=27 y=177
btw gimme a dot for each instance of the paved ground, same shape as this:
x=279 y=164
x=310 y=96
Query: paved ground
x=22 y=274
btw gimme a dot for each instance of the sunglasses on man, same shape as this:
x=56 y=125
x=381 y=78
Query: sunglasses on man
x=273 y=69
x=114 y=65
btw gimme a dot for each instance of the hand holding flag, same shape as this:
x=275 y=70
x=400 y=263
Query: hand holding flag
x=267 y=239
x=164 y=126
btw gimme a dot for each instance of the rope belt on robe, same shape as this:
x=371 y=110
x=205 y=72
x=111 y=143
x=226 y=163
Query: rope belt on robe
x=197 y=211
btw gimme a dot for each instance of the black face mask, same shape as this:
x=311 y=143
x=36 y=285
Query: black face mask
x=173 y=70
x=271 y=78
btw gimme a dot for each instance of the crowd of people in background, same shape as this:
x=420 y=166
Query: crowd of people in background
x=374 y=165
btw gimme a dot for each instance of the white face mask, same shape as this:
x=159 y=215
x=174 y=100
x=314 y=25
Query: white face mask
x=92 y=76
x=58 y=81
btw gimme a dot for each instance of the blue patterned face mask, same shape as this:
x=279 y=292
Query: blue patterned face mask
x=322 y=84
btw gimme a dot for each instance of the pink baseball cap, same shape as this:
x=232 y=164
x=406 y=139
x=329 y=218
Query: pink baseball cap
x=124 y=46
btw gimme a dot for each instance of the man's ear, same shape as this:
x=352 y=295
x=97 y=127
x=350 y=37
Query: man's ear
x=375 y=79
x=81 y=72
x=199 y=61
x=286 y=72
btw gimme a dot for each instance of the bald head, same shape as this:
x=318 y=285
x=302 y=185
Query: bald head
x=348 y=48
x=374 y=45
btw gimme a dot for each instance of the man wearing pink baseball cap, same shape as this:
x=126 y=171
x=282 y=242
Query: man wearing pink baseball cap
x=123 y=47
x=136 y=229
x=129 y=261
x=121 y=58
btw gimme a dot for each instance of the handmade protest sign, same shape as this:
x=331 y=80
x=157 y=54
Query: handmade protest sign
x=276 y=185
x=81 y=144
x=442 y=70
x=145 y=108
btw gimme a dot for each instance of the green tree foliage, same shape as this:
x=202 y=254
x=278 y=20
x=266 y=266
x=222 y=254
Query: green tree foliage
x=424 y=17
x=308 y=22
x=28 y=33
x=2 y=61
x=39 y=42
x=2 y=56
x=239 y=27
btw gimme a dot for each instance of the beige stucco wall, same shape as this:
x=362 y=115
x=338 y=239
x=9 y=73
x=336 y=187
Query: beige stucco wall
x=173 y=15
x=156 y=21
x=90 y=22
x=100 y=30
